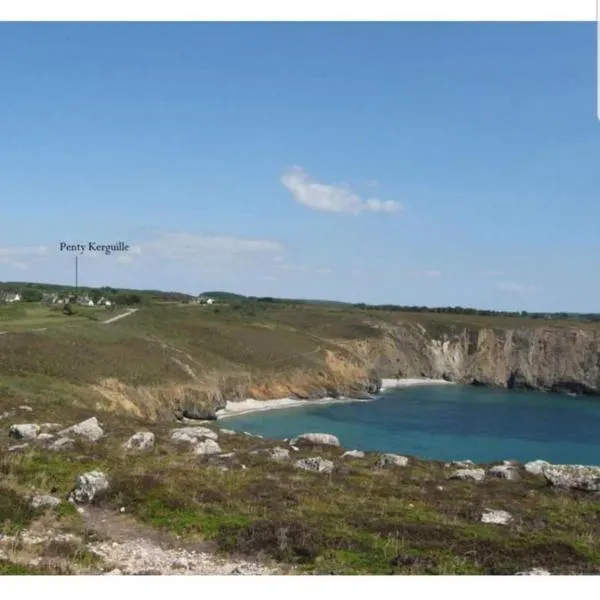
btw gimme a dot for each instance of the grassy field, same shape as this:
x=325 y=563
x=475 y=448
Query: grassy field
x=25 y=317
x=358 y=520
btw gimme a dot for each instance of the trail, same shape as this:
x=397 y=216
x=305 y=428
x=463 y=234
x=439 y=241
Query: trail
x=121 y=316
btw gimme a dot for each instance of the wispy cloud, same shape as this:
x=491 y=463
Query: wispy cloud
x=19 y=257
x=332 y=198
x=432 y=273
x=514 y=287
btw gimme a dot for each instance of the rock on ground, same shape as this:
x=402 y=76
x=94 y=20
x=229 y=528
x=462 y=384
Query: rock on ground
x=228 y=431
x=24 y=431
x=461 y=464
x=505 y=472
x=63 y=443
x=323 y=439
x=18 y=447
x=89 y=429
x=45 y=501
x=496 y=517
x=468 y=474
x=536 y=467
x=534 y=572
x=207 y=447
x=87 y=486
x=392 y=460
x=278 y=453
x=44 y=437
x=576 y=477
x=142 y=440
x=192 y=435
x=315 y=464
x=353 y=454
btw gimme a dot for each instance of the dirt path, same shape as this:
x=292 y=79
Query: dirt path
x=121 y=316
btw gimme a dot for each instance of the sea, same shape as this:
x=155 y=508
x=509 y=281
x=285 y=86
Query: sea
x=449 y=422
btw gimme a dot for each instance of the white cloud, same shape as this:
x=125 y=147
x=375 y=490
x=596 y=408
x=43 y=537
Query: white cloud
x=16 y=256
x=512 y=286
x=432 y=273
x=331 y=198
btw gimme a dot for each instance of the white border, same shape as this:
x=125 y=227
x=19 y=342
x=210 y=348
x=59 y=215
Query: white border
x=307 y=10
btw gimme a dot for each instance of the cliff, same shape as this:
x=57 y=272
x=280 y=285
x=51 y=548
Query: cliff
x=542 y=358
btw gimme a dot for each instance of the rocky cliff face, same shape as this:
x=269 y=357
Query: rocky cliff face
x=544 y=358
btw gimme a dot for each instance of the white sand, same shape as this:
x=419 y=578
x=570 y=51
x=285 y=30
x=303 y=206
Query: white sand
x=250 y=405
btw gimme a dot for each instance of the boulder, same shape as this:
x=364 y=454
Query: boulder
x=315 y=464
x=192 y=435
x=505 y=472
x=142 y=440
x=24 y=431
x=279 y=454
x=468 y=474
x=316 y=439
x=198 y=413
x=353 y=454
x=87 y=487
x=575 y=477
x=536 y=467
x=44 y=501
x=207 y=448
x=392 y=460
x=89 y=430
x=496 y=517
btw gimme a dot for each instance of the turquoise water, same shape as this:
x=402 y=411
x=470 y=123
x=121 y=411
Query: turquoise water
x=449 y=423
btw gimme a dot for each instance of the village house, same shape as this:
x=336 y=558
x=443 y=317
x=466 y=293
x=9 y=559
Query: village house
x=205 y=300
x=10 y=297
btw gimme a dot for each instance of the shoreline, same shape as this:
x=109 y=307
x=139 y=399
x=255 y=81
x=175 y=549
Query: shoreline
x=250 y=405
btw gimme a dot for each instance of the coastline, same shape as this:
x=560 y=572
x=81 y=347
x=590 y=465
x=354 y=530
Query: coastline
x=250 y=405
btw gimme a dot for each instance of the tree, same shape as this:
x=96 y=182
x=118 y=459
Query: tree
x=31 y=295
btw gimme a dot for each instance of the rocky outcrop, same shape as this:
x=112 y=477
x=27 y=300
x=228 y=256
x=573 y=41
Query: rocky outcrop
x=315 y=439
x=557 y=359
x=87 y=486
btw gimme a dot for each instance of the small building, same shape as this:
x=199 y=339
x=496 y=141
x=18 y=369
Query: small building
x=205 y=300
x=11 y=297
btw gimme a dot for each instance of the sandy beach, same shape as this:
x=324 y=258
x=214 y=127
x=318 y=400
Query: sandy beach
x=250 y=405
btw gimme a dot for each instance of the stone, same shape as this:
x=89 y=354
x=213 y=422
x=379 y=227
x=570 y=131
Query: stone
x=316 y=439
x=44 y=437
x=315 y=464
x=534 y=572
x=18 y=447
x=496 y=517
x=278 y=453
x=45 y=501
x=461 y=464
x=87 y=487
x=353 y=454
x=24 y=431
x=142 y=440
x=89 y=429
x=228 y=431
x=50 y=426
x=387 y=461
x=207 y=448
x=574 y=477
x=26 y=408
x=63 y=443
x=192 y=435
x=468 y=474
x=536 y=467
x=199 y=413
x=505 y=472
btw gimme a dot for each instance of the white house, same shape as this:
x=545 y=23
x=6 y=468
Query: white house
x=209 y=301
x=10 y=297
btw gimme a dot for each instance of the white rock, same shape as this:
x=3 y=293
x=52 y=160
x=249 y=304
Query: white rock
x=87 y=486
x=353 y=454
x=278 y=453
x=534 y=572
x=207 y=447
x=321 y=439
x=63 y=443
x=26 y=408
x=228 y=431
x=536 y=467
x=392 y=460
x=50 y=426
x=44 y=501
x=192 y=435
x=89 y=429
x=505 y=472
x=576 y=477
x=44 y=437
x=295 y=448
x=496 y=517
x=18 y=447
x=24 y=431
x=315 y=464
x=468 y=474
x=460 y=463
x=142 y=440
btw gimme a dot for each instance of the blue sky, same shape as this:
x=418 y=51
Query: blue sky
x=430 y=164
